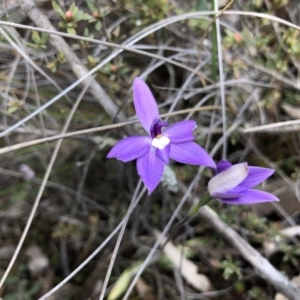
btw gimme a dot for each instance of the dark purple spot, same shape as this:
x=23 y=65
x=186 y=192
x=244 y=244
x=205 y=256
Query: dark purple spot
x=156 y=127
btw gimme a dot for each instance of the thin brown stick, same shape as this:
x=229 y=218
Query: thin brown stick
x=80 y=70
x=92 y=130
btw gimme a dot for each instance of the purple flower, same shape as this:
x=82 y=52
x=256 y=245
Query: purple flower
x=154 y=151
x=233 y=184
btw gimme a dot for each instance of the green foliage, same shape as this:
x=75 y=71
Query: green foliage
x=14 y=105
x=232 y=40
x=71 y=17
x=229 y=215
x=56 y=62
x=291 y=37
x=97 y=13
x=291 y=254
x=147 y=12
x=93 y=60
x=231 y=268
x=68 y=231
x=254 y=223
x=123 y=281
x=39 y=40
x=257 y=3
x=113 y=69
x=276 y=4
x=270 y=98
x=257 y=293
x=21 y=288
x=201 y=5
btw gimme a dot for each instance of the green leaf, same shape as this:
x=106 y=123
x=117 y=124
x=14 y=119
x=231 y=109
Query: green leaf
x=32 y=45
x=52 y=66
x=44 y=37
x=92 y=19
x=36 y=37
x=201 y=5
x=87 y=17
x=58 y=10
x=62 y=25
x=78 y=16
x=86 y=32
x=91 y=5
x=12 y=109
x=74 y=9
x=98 y=25
x=123 y=282
x=71 y=30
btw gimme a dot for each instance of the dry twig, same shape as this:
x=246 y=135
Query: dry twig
x=42 y=21
x=261 y=265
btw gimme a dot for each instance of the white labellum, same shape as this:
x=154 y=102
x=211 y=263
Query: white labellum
x=160 y=142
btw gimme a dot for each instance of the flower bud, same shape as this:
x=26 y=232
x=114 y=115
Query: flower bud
x=113 y=68
x=96 y=14
x=228 y=179
x=238 y=37
x=69 y=16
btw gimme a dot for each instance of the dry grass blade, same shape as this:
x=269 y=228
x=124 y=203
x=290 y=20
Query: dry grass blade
x=41 y=190
x=42 y=21
x=272 y=126
x=93 y=130
x=243 y=65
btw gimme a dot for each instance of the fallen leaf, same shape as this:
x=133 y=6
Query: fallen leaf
x=187 y=268
x=38 y=262
x=123 y=282
x=292 y=111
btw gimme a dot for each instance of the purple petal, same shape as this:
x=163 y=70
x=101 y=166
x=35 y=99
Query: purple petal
x=164 y=153
x=144 y=103
x=228 y=195
x=251 y=197
x=150 y=167
x=223 y=165
x=191 y=153
x=130 y=148
x=228 y=179
x=238 y=189
x=256 y=176
x=181 y=131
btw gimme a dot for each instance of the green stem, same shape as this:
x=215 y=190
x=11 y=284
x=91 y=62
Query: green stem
x=194 y=210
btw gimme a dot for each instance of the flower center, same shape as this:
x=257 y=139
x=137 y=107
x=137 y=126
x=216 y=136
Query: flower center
x=156 y=126
x=160 y=142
